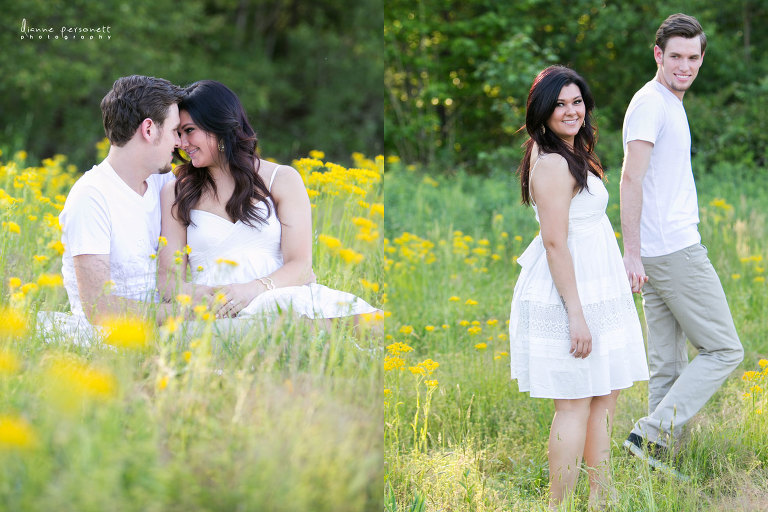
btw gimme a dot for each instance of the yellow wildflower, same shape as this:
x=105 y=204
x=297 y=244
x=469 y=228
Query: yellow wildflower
x=16 y=433
x=172 y=324
x=406 y=329
x=331 y=242
x=162 y=241
x=29 y=288
x=464 y=323
x=417 y=370
x=749 y=376
x=398 y=348
x=471 y=302
x=13 y=324
x=9 y=363
x=429 y=328
x=57 y=246
x=351 y=256
x=393 y=363
x=12 y=227
x=187 y=355
x=50 y=280
x=481 y=346
x=183 y=299
x=73 y=381
x=127 y=332
x=14 y=282
x=454 y=298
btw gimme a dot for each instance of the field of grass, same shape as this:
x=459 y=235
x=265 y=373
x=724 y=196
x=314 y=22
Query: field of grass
x=459 y=436
x=279 y=417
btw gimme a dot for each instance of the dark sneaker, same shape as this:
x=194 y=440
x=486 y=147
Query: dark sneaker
x=652 y=454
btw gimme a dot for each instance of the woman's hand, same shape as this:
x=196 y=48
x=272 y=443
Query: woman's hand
x=238 y=296
x=203 y=293
x=581 y=338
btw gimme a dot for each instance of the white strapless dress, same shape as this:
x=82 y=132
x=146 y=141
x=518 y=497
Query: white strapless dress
x=224 y=253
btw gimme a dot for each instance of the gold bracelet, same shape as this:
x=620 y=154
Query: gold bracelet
x=269 y=284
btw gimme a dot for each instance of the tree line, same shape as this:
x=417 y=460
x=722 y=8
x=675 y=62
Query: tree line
x=457 y=74
x=308 y=73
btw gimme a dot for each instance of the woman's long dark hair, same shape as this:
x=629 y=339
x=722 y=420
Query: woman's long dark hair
x=542 y=100
x=216 y=109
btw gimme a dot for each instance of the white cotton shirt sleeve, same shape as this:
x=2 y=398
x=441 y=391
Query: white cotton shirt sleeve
x=670 y=216
x=87 y=219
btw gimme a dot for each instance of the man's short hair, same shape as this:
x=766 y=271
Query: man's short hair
x=133 y=99
x=680 y=25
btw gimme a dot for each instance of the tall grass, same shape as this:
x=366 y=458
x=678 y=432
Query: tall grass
x=452 y=242
x=202 y=416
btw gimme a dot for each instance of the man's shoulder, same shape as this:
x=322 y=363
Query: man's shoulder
x=648 y=94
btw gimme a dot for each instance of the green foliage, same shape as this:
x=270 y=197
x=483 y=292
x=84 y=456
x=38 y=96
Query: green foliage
x=308 y=73
x=458 y=73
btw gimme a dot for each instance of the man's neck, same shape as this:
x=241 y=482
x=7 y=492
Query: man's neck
x=659 y=78
x=128 y=167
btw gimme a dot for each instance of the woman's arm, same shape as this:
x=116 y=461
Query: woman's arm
x=171 y=276
x=553 y=186
x=295 y=214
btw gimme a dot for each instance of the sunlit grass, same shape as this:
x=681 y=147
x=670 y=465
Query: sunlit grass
x=451 y=245
x=190 y=416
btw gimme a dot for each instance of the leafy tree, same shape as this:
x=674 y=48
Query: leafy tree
x=308 y=73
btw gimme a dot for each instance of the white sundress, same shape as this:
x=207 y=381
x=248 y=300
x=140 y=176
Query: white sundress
x=538 y=326
x=224 y=252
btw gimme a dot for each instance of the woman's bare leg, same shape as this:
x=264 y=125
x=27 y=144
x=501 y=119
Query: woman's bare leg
x=566 y=446
x=597 y=448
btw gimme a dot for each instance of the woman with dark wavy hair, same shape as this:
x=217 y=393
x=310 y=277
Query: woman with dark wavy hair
x=574 y=332
x=247 y=221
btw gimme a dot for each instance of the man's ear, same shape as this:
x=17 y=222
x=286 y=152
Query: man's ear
x=658 y=54
x=147 y=129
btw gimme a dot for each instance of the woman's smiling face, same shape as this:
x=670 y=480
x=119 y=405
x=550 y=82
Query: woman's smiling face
x=200 y=146
x=568 y=116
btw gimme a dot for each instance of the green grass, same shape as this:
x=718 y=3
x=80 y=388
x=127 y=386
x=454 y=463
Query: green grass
x=282 y=417
x=486 y=446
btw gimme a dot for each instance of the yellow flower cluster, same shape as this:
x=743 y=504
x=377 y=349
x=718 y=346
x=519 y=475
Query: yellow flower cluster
x=334 y=245
x=757 y=380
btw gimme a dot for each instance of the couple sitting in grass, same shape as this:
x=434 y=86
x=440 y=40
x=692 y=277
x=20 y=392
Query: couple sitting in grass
x=241 y=223
x=574 y=331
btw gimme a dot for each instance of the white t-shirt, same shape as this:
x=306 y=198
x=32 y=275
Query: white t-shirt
x=103 y=215
x=670 y=216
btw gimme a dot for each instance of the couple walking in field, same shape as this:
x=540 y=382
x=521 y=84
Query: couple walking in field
x=574 y=331
x=242 y=225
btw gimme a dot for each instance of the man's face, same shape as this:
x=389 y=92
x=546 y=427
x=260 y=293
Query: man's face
x=679 y=63
x=167 y=139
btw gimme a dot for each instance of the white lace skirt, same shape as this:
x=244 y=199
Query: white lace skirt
x=539 y=333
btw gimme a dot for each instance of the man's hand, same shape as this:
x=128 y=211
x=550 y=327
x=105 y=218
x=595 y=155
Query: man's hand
x=635 y=273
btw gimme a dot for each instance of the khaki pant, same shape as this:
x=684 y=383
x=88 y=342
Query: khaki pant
x=683 y=298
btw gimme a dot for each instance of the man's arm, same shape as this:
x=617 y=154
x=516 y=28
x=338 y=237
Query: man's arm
x=636 y=161
x=93 y=284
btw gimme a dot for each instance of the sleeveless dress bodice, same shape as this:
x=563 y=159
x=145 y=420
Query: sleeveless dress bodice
x=538 y=329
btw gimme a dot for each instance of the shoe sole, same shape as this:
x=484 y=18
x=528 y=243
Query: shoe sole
x=654 y=463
